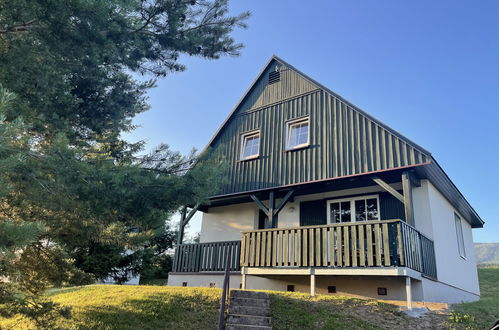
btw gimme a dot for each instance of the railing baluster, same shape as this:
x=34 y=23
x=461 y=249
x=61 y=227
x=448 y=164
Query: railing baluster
x=353 y=230
x=305 y=247
x=339 y=242
x=317 y=247
x=324 y=247
x=362 y=255
x=331 y=246
x=346 y=241
x=386 y=245
x=299 y=249
x=292 y=256
x=311 y=257
x=258 y=242
x=286 y=248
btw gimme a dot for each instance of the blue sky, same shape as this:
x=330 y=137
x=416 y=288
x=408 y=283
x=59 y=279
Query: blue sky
x=429 y=69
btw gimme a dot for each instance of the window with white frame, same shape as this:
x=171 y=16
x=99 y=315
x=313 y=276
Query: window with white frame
x=361 y=208
x=297 y=133
x=250 y=145
x=460 y=237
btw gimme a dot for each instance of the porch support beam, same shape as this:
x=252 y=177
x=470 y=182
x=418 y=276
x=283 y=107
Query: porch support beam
x=283 y=202
x=271 y=214
x=260 y=205
x=408 y=207
x=184 y=220
x=272 y=210
x=408 y=292
x=389 y=188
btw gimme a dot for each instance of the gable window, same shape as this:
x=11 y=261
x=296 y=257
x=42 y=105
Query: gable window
x=353 y=209
x=460 y=237
x=250 y=145
x=297 y=133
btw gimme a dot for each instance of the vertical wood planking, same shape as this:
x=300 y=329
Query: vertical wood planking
x=346 y=242
x=317 y=249
x=370 y=252
x=339 y=251
x=353 y=230
x=362 y=250
x=386 y=244
x=324 y=247
x=257 y=248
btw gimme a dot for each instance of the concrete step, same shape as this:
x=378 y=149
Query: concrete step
x=262 y=321
x=249 y=302
x=249 y=294
x=249 y=310
x=245 y=327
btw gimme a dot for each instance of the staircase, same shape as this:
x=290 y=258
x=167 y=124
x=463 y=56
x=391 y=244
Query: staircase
x=248 y=310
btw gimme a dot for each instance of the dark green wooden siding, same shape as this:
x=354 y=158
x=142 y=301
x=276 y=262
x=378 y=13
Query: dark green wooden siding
x=391 y=208
x=313 y=213
x=343 y=141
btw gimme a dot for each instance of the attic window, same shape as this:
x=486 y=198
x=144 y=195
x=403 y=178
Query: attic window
x=250 y=145
x=274 y=76
x=297 y=133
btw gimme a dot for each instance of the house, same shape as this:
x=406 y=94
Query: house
x=322 y=197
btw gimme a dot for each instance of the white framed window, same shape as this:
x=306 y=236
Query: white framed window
x=250 y=145
x=360 y=208
x=297 y=133
x=459 y=234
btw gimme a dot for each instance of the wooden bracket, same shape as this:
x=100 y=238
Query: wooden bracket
x=388 y=188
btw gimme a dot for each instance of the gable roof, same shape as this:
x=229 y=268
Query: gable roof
x=360 y=143
x=275 y=58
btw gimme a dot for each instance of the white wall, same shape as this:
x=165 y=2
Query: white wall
x=422 y=212
x=225 y=223
x=452 y=269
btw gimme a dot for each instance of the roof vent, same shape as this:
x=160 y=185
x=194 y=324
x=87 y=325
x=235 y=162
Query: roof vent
x=274 y=76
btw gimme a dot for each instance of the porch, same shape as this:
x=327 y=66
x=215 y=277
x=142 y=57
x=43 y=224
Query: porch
x=387 y=247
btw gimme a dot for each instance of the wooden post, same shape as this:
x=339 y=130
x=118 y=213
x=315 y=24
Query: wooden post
x=184 y=220
x=243 y=278
x=181 y=227
x=312 y=282
x=408 y=292
x=407 y=188
x=272 y=215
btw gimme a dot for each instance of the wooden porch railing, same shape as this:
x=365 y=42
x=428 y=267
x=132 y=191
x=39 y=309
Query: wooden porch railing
x=359 y=244
x=206 y=257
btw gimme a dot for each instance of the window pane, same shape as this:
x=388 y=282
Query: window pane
x=251 y=144
x=335 y=212
x=460 y=238
x=372 y=209
x=360 y=210
x=345 y=212
x=297 y=134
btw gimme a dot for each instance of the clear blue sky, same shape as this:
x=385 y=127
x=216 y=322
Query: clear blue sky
x=429 y=69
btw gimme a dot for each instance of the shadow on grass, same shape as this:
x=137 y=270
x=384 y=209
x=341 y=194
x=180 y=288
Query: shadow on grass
x=157 y=311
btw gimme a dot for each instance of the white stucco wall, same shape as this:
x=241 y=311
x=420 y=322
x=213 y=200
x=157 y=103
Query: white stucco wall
x=422 y=212
x=452 y=269
x=225 y=223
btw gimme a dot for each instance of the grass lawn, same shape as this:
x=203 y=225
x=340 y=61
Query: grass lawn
x=160 y=307
x=134 y=307
x=300 y=311
x=483 y=313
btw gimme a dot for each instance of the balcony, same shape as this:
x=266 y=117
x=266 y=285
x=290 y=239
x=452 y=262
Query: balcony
x=370 y=244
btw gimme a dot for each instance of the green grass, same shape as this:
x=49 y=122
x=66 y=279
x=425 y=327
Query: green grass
x=160 y=307
x=483 y=313
x=134 y=307
x=292 y=310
